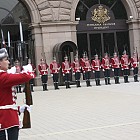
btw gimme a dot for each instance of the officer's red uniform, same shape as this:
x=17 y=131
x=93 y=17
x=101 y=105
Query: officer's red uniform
x=55 y=67
x=8 y=109
x=134 y=65
x=66 y=70
x=77 y=71
x=43 y=70
x=125 y=66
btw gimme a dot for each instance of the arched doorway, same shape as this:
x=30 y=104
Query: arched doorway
x=102 y=28
x=12 y=13
x=60 y=50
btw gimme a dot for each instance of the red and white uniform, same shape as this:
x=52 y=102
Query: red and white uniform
x=8 y=109
x=86 y=66
x=115 y=62
x=134 y=62
x=125 y=62
x=106 y=63
x=66 y=67
x=96 y=65
x=43 y=69
x=54 y=67
x=76 y=66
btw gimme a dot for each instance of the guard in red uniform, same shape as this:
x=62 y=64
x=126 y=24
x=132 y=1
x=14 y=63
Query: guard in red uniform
x=134 y=65
x=18 y=69
x=87 y=70
x=125 y=66
x=76 y=70
x=9 y=118
x=43 y=70
x=66 y=70
x=55 y=67
x=106 y=68
x=96 y=66
x=82 y=62
x=115 y=63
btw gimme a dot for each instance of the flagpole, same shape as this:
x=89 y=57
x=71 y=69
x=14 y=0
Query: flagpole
x=21 y=32
x=9 y=39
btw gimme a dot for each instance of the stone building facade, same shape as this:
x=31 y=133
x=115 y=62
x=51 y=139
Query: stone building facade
x=53 y=22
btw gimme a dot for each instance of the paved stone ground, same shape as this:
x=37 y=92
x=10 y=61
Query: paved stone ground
x=109 y=112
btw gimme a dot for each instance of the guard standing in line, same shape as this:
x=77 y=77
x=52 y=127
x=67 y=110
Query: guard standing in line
x=134 y=65
x=18 y=69
x=9 y=111
x=82 y=62
x=76 y=70
x=115 y=63
x=55 y=67
x=106 y=68
x=32 y=69
x=87 y=70
x=43 y=70
x=96 y=66
x=66 y=70
x=125 y=66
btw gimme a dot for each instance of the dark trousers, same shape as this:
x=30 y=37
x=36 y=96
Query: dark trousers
x=135 y=72
x=116 y=75
x=55 y=77
x=107 y=76
x=125 y=75
x=77 y=76
x=97 y=78
x=67 y=80
x=44 y=79
x=12 y=134
x=87 y=75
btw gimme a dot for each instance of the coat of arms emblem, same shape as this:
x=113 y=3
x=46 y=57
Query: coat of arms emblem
x=100 y=14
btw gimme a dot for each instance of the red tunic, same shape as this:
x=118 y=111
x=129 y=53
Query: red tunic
x=134 y=62
x=43 y=69
x=87 y=66
x=125 y=62
x=76 y=66
x=105 y=63
x=96 y=65
x=54 y=67
x=9 y=117
x=115 y=62
x=66 y=67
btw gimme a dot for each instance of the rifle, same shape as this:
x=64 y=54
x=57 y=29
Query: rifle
x=28 y=96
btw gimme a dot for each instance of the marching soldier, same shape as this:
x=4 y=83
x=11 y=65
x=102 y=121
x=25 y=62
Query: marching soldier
x=32 y=69
x=18 y=68
x=134 y=65
x=55 y=67
x=76 y=71
x=9 y=111
x=125 y=66
x=87 y=70
x=96 y=66
x=115 y=63
x=43 y=70
x=106 y=68
x=66 y=70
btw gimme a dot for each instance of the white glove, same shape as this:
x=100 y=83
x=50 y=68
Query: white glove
x=103 y=70
x=93 y=71
x=112 y=69
x=73 y=73
x=132 y=68
x=51 y=75
x=63 y=74
x=22 y=108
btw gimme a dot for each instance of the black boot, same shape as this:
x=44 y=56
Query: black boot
x=69 y=85
x=124 y=79
x=57 y=86
x=96 y=82
x=66 y=83
x=127 y=79
x=78 y=83
x=46 y=87
x=109 y=81
x=106 y=81
x=20 y=89
x=115 y=80
x=43 y=87
x=118 y=80
x=89 y=83
x=32 y=90
x=99 y=82
x=54 y=85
